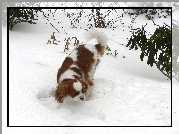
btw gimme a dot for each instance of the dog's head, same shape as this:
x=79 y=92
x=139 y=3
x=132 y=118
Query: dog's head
x=77 y=89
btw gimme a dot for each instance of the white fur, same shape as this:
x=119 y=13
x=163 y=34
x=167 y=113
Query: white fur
x=73 y=54
x=77 y=86
x=86 y=96
x=74 y=66
x=68 y=74
x=99 y=35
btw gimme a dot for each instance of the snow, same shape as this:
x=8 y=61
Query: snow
x=126 y=91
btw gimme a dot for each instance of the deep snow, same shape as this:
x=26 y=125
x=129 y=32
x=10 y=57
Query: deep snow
x=127 y=92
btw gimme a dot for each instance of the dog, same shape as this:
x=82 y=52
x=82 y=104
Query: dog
x=75 y=77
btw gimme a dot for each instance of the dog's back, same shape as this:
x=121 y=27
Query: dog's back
x=85 y=58
x=75 y=76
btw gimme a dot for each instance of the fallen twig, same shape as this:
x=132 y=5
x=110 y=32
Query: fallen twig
x=54 y=27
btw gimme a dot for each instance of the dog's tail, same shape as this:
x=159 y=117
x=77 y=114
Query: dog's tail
x=99 y=35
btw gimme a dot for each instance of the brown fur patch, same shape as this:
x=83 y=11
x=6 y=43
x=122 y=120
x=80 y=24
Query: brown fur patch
x=65 y=65
x=61 y=91
x=78 y=71
x=100 y=49
x=65 y=88
x=71 y=91
x=85 y=61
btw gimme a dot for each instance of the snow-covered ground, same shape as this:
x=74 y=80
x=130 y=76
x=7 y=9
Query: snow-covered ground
x=127 y=91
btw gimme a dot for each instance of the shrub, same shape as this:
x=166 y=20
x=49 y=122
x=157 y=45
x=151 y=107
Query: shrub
x=21 y=15
x=159 y=43
x=98 y=18
x=150 y=13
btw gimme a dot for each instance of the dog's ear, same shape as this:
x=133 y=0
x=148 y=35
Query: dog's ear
x=61 y=92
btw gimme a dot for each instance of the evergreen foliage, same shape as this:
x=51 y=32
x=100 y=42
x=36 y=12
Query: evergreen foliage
x=150 y=13
x=157 y=48
x=21 y=15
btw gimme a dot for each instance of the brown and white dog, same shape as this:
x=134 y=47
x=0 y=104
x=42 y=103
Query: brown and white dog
x=75 y=76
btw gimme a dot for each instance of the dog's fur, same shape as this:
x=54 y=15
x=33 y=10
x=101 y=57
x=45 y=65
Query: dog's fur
x=75 y=76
